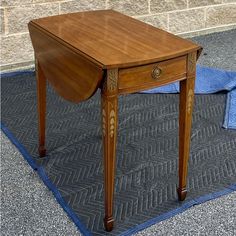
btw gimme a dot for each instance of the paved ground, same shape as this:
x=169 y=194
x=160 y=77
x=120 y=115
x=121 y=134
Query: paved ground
x=213 y=218
x=28 y=208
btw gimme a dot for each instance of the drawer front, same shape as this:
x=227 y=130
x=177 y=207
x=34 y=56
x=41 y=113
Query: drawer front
x=152 y=75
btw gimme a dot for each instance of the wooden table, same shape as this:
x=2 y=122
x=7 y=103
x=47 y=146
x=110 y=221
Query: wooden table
x=81 y=52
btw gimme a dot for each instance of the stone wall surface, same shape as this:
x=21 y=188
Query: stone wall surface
x=182 y=17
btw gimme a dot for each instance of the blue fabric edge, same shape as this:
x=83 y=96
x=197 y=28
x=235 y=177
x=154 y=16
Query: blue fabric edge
x=227 y=109
x=77 y=221
x=69 y=211
x=46 y=180
x=226 y=117
x=181 y=209
x=14 y=73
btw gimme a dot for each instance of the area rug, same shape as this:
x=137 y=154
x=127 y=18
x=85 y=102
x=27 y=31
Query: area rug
x=147 y=153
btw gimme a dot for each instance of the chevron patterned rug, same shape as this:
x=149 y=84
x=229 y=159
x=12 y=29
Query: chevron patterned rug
x=147 y=153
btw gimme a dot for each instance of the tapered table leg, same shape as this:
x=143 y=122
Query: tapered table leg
x=185 y=123
x=109 y=130
x=41 y=96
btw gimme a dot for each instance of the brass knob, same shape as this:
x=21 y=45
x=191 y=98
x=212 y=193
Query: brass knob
x=156 y=73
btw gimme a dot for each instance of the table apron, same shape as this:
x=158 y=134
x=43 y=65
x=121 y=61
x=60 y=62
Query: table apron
x=138 y=78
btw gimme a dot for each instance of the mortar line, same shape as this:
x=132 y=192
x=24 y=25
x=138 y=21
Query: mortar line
x=185 y=9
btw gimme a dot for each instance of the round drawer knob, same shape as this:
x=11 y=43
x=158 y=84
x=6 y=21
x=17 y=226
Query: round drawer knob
x=156 y=73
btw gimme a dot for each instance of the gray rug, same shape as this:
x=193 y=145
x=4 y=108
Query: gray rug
x=219 y=49
x=147 y=152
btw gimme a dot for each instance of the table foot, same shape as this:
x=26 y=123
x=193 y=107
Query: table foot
x=108 y=223
x=182 y=192
x=42 y=151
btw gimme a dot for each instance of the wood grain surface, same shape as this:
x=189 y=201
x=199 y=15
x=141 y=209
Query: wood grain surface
x=74 y=77
x=185 y=122
x=111 y=39
x=139 y=78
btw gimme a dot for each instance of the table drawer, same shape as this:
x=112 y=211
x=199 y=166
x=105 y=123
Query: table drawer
x=156 y=74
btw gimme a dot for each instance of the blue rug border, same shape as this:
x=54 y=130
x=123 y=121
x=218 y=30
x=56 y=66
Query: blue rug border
x=82 y=228
x=226 y=124
x=46 y=180
x=15 y=73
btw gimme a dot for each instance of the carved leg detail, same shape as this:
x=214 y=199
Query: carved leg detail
x=41 y=96
x=109 y=128
x=109 y=133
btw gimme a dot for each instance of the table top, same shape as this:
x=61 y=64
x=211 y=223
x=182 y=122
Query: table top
x=111 y=39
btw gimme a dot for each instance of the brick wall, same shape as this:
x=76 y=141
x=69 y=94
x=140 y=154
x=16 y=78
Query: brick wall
x=183 y=17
